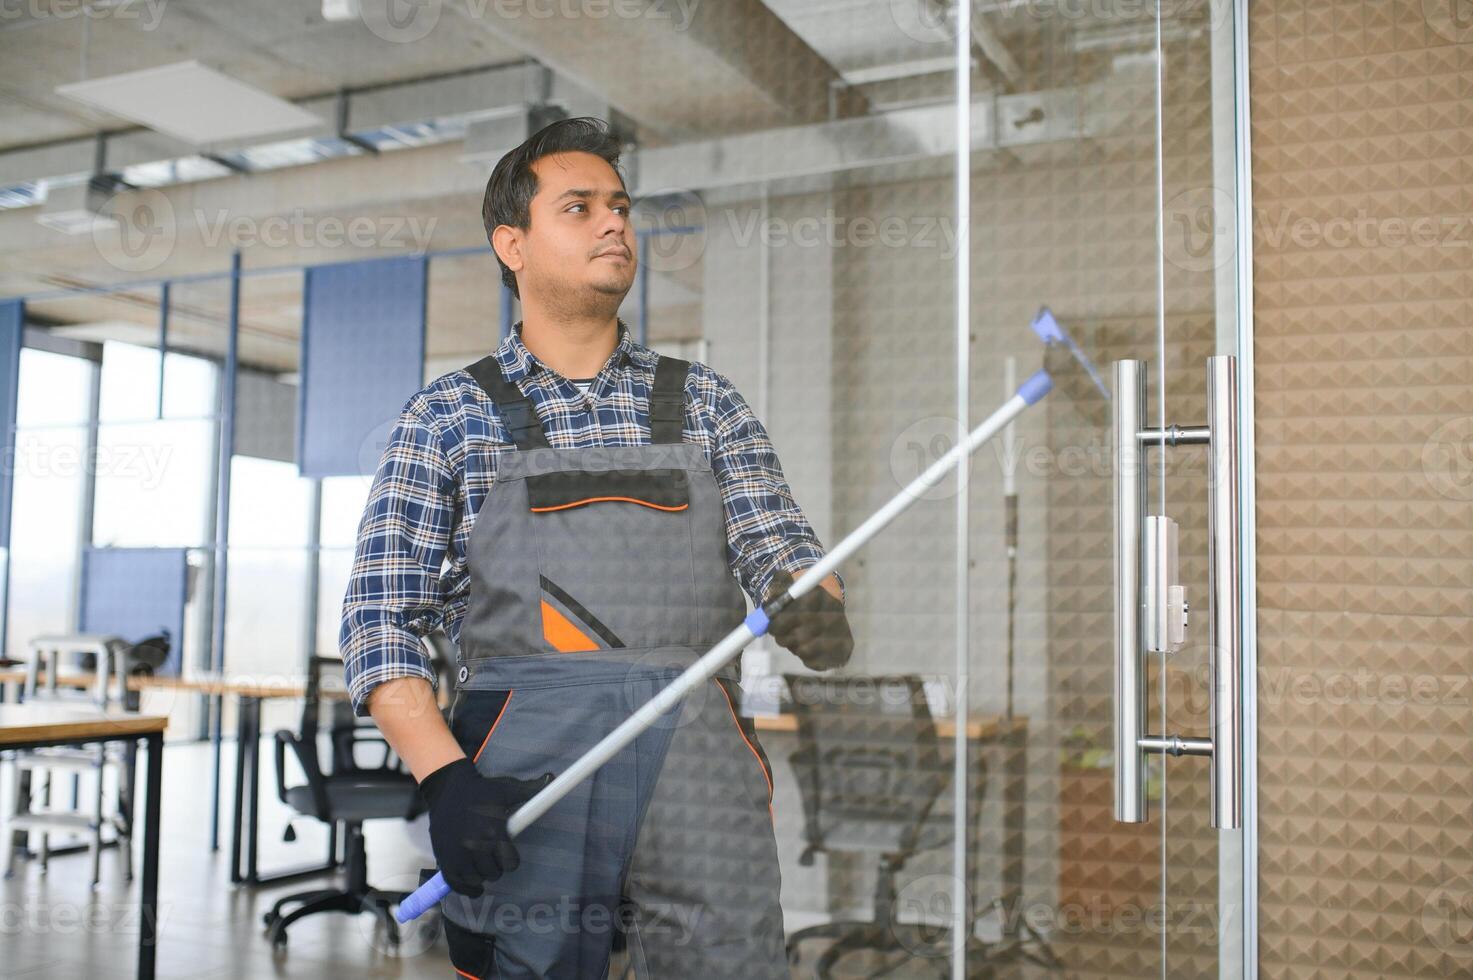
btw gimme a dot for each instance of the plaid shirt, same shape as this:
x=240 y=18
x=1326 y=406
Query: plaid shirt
x=409 y=572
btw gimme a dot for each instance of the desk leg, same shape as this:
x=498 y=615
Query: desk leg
x=149 y=894
x=216 y=708
x=248 y=811
x=237 y=844
x=250 y=730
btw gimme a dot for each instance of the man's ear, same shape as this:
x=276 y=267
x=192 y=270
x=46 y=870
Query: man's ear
x=507 y=241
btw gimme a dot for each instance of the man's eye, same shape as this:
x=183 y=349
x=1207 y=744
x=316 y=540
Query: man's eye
x=577 y=206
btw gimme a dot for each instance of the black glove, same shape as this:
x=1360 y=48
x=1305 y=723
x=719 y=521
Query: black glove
x=468 y=814
x=813 y=627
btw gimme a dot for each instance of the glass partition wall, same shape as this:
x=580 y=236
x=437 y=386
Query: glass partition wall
x=1101 y=176
x=876 y=221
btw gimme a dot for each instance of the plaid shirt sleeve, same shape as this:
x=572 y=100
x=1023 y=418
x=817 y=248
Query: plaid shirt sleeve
x=394 y=594
x=765 y=528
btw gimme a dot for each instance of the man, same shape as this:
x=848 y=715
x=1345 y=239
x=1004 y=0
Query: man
x=601 y=509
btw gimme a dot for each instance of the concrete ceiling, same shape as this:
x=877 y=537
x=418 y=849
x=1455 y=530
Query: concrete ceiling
x=669 y=73
x=285 y=48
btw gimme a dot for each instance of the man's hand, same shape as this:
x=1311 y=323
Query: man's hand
x=813 y=627
x=468 y=814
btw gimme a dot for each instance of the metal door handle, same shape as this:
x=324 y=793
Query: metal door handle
x=1224 y=746
x=1225 y=615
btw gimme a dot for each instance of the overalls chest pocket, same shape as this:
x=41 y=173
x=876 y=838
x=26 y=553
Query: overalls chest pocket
x=616 y=558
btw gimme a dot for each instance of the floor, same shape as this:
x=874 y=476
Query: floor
x=54 y=926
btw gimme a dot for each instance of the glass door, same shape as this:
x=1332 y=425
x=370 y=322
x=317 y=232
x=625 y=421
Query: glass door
x=1107 y=598
x=957 y=196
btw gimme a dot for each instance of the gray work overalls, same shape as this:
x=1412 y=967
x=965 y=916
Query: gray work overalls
x=597 y=575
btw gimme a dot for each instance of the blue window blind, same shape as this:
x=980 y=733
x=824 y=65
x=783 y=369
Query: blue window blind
x=363 y=347
x=136 y=592
x=12 y=329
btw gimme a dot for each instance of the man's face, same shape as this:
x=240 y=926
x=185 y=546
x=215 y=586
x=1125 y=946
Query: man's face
x=580 y=239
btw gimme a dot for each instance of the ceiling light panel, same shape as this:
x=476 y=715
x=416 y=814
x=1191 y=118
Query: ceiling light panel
x=191 y=102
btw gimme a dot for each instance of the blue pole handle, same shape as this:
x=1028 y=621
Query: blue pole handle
x=423 y=898
x=1033 y=390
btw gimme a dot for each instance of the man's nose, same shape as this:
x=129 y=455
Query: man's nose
x=612 y=223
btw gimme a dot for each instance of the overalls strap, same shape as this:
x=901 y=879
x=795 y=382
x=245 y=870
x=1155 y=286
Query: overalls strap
x=667 y=402
x=517 y=413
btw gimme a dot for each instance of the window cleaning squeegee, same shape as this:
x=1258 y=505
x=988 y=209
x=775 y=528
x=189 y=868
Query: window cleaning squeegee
x=756 y=623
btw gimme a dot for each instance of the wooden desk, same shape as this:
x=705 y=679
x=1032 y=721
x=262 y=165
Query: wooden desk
x=250 y=692
x=29 y=726
x=246 y=812
x=79 y=680
x=981 y=728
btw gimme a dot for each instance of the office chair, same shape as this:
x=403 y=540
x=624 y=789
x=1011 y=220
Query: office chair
x=870 y=768
x=346 y=792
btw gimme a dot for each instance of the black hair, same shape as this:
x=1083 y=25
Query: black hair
x=513 y=183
